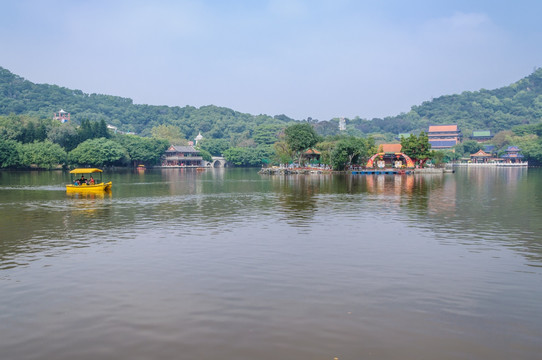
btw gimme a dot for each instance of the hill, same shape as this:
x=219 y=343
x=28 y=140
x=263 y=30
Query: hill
x=501 y=109
x=19 y=96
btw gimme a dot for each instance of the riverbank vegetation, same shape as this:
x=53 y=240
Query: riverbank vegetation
x=108 y=130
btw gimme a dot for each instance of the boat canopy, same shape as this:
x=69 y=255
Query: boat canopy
x=85 y=171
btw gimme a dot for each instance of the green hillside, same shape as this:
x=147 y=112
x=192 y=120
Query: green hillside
x=501 y=109
x=19 y=96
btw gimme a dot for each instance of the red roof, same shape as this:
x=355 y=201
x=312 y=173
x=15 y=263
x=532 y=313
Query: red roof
x=312 y=151
x=480 y=153
x=390 y=148
x=441 y=128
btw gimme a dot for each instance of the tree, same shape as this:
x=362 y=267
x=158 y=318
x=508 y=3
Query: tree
x=440 y=156
x=44 y=155
x=502 y=138
x=99 y=152
x=300 y=137
x=170 y=133
x=64 y=135
x=267 y=133
x=470 y=147
x=99 y=129
x=417 y=148
x=205 y=155
x=143 y=150
x=283 y=153
x=240 y=156
x=348 y=152
x=10 y=153
x=214 y=146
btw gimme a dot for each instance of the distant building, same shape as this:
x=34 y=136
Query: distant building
x=480 y=157
x=342 y=124
x=182 y=156
x=198 y=138
x=443 y=136
x=390 y=148
x=513 y=154
x=112 y=128
x=390 y=155
x=312 y=155
x=481 y=135
x=62 y=116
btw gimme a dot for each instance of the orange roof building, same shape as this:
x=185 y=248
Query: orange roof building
x=390 y=148
x=443 y=136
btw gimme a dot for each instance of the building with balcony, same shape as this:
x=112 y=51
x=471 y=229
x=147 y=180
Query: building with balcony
x=182 y=156
x=443 y=136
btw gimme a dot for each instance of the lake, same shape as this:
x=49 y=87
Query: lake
x=229 y=264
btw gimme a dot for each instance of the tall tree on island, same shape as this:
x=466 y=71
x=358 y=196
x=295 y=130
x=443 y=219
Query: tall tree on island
x=417 y=148
x=300 y=137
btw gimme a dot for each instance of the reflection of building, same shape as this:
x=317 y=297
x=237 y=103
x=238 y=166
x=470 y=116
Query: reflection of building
x=443 y=136
x=184 y=156
x=62 y=116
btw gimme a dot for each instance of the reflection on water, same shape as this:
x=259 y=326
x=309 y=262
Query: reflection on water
x=228 y=264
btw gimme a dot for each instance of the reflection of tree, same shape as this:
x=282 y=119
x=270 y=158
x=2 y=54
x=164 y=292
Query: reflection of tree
x=296 y=196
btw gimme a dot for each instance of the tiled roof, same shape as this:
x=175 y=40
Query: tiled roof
x=184 y=149
x=390 y=148
x=512 y=155
x=312 y=151
x=440 y=128
x=481 y=133
x=480 y=153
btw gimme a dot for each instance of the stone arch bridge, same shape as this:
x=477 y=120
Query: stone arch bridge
x=218 y=162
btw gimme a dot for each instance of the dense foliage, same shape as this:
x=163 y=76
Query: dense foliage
x=350 y=151
x=300 y=137
x=19 y=96
x=496 y=110
x=417 y=147
x=29 y=137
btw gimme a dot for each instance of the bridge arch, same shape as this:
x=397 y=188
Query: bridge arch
x=218 y=162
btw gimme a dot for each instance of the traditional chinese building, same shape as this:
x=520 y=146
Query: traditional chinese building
x=481 y=135
x=390 y=155
x=182 y=156
x=443 y=136
x=312 y=155
x=513 y=155
x=480 y=157
x=62 y=116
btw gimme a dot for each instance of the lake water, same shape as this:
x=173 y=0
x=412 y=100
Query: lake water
x=227 y=264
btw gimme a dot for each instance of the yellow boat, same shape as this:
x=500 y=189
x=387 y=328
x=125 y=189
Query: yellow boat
x=83 y=184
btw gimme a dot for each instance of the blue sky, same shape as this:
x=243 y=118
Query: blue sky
x=319 y=58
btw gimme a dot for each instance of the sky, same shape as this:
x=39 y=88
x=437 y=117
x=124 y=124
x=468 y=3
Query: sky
x=303 y=58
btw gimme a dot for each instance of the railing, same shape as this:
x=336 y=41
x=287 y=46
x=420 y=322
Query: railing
x=525 y=163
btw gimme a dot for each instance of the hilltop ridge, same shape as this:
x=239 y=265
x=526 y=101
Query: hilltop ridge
x=499 y=109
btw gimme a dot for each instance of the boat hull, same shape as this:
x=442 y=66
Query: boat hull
x=89 y=188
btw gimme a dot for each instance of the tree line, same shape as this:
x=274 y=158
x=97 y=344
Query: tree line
x=28 y=142
x=26 y=126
